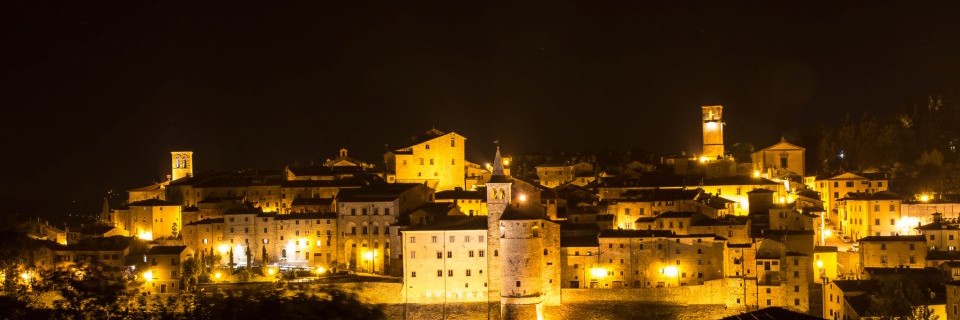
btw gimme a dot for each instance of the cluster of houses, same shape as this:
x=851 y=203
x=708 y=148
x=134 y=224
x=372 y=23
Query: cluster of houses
x=754 y=235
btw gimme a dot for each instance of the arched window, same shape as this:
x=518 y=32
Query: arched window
x=184 y=163
x=176 y=162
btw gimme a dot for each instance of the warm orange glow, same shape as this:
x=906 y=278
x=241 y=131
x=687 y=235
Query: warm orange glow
x=756 y=173
x=217 y=275
x=827 y=233
x=271 y=271
x=598 y=272
x=321 y=270
x=820 y=264
x=145 y=235
x=223 y=248
x=26 y=276
x=712 y=125
x=906 y=224
x=522 y=197
x=671 y=271
x=368 y=255
x=924 y=198
x=704 y=158
x=148 y=275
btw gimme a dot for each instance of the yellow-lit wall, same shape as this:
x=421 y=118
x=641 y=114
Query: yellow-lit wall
x=439 y=162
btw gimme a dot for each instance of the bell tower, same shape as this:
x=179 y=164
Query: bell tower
x=182 y=164
x=499 y=195
x=712 y=132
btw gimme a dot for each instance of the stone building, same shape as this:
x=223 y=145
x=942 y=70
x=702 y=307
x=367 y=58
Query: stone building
x=780 y=159
x=893 y=251
x=832 y=188
x=872 y=214
x=163 y=273
x=149 y=219
x=365 y=216
x=435 y=159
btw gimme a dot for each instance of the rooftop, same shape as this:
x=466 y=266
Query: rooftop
x=158 y=250
x=453 y=223
x=919 y=238
x=375 y=193
x=529 y=212
x=151 y=203
x=772 y=313
x=307 y=216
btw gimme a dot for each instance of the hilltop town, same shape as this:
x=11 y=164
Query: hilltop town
x=692 y=229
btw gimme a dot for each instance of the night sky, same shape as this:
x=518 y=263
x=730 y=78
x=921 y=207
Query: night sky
x=96 y=93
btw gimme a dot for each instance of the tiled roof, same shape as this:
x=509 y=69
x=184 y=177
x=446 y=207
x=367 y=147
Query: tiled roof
x=312 y=202
x=939 y=225
x=151 y=203
x=206 y=221
x=375 y=193
x=453 y=223
x=893 y=238
x=580 y=241
x=460 y=194
x=114 y=243
x=523 y=213
x=772 y=313
x=882 y=195
x=156 y=250
x=306 y=216
x=658 y=195
x=635 y=233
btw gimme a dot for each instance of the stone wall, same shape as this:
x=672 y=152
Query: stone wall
x=710 y=293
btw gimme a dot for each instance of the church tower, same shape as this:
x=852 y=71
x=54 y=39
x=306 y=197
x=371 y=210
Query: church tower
x=499 y=194
x=712 y=132
x=182 y=164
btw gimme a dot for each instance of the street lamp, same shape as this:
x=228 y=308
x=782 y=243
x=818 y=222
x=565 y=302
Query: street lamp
x=672 y=272
x=148 y=275
x=368 y=257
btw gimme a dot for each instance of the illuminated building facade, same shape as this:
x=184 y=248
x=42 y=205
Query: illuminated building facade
x=780 y=159
x=163 y=273
x=436 y=159
x=873 y=214
x=712 y=132
x=832 y=188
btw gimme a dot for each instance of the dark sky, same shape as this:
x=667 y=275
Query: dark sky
x=97 y=93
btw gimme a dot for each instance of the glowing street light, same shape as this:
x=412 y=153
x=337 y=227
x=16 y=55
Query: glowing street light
x=924 y=198
x=223 y=248
x=827 y=233
x=321 y=270
x=26 y=276
x=671 y=271
x=820 y=264
x=217 y=275
x=756 y=173
x=704 y=158
x=906 y=224
x=368 y=255
x=522 y=197
x=148 y=275
x=598 y=272
x=271 y=271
